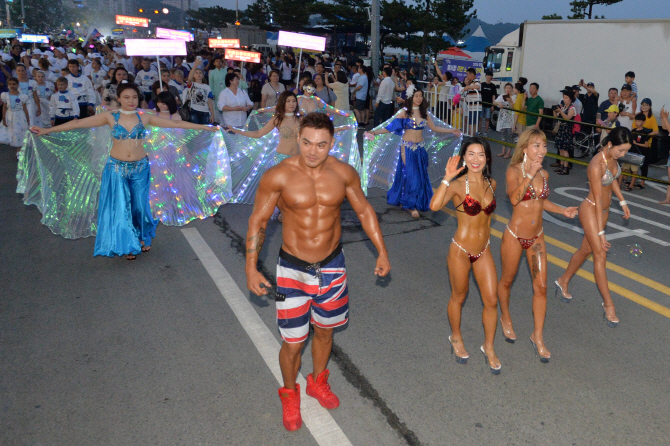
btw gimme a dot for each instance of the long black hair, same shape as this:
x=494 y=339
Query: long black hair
x=409 y=104
x=618 y=137
x=168 y=99
x=487 y=151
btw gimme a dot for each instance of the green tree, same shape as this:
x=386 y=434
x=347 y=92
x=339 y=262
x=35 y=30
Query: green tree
x=583 y=9
x=212 y=17
x=398 y=26
x=258 y=13
x=290 y=15
x=345 y=16
x=553 y=16
x=42 y=16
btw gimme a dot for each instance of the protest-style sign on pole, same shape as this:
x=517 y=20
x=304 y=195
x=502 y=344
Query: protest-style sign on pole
x=223 y=43
x=302 y=41
x=132 y=21
x=174 y=34
x=459 y=67
x=242 y=56
x=155 y=47
x=33 y=38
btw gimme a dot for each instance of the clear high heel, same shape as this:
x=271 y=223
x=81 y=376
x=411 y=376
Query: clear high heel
x=459 y=359
x=494 y=370
x=567 y=298
x=505 y=333
x=543 y=359
x=610 y=323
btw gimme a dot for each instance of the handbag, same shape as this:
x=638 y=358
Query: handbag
x=185 y=110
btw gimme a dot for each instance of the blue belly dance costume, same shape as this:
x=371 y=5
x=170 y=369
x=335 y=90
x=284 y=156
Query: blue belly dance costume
x=411 y=186
x=124 y=214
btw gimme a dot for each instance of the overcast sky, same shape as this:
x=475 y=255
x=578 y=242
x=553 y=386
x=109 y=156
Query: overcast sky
x=516 y=11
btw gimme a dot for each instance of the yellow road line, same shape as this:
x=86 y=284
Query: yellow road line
x=641 y=300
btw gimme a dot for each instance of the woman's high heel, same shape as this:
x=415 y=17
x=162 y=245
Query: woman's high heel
x=459 y=359
x=567 y=298
x=610 y=323
x=494 y=370
x=508 y=334
x=543 y=359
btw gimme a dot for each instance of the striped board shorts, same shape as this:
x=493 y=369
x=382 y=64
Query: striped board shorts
x=315 y=292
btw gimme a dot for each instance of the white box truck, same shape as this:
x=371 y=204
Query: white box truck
x=556 y=53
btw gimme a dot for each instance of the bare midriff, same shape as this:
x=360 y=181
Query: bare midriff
x=128 y=149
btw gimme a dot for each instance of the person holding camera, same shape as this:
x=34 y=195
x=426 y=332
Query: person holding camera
x=563 y=141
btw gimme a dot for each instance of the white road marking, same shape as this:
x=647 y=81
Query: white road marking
x=318 y=420
x=624 y=232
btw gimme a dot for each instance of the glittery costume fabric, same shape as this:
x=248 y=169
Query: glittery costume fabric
x=61 y=173
x=251 y=157
x=381 y=156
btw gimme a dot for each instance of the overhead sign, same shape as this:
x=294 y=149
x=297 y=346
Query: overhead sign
x=132 y=21
x=459 y=68
x=224 y=43
x=297 y=40
x=155 y=47
x=7 y=33
x=33 y=38
x=165 y=33
x=243 y=56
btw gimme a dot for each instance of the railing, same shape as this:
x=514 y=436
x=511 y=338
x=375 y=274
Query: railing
x=464 y=113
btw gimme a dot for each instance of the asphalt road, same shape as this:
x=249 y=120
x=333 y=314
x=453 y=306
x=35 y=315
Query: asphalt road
x=98 y=351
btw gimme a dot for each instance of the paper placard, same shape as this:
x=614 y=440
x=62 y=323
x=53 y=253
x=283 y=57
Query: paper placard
x=33 y=38
x=305 y=41
x=132 y=21
x=224 y=43
x=243 y=56
x=155 y=47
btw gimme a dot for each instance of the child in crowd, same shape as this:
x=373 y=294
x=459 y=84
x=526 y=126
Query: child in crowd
x=44 y=92
x=64 y=72
x=630 y=80
x=14 y=114
x=611 y=121
x=63 y=106
x=641 y=141
x=505 y=125
x=177 y=80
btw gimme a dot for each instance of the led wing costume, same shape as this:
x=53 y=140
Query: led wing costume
x=382 y=155
x=61 y=173
x=251 y=157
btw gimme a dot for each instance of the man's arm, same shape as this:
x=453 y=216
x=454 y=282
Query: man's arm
x=266 y=199
x=366 y=214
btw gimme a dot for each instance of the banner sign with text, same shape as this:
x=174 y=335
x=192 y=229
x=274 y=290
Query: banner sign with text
x=305 y=41
x=132 y=21
x=155 y=47
x=165 y=33
x=33 y=38
x=243 y=56
x=459 y=68
x=224 y=43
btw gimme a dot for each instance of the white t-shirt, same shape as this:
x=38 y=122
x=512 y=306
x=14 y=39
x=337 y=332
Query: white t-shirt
x=145 y=79
x=285 y=71
x=227 y=98
x=354 y=80
x=199 y=95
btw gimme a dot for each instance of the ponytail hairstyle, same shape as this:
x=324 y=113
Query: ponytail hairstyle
x=618 y=137
x=125 y=85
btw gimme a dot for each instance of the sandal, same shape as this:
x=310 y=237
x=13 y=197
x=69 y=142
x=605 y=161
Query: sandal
x=131 y=257
x=639 y=186
x=145 y=248
x=628 y=188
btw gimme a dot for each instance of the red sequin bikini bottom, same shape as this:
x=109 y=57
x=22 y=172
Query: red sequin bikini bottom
x=525 y=242
x=473 y=259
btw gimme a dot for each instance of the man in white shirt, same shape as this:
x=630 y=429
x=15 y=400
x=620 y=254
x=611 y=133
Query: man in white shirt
x=471 y=93
x=384 y=101
x=82 y=88
x=145 y=78
x=234 y=103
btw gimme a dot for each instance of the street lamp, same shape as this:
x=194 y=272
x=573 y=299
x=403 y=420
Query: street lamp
x=165 y=10
x=78 y=24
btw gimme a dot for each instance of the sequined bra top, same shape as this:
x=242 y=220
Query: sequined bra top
x=530 y=192
x=471 y=206
x=399 y=125
x=120 y=132
x=608 y=178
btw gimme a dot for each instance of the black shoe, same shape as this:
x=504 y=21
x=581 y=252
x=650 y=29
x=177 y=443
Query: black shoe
x=564 y=171
x=556 y=164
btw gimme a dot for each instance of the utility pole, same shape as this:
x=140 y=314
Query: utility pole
x=23 y=14
x=374 y=37
x=9 y=17
x=181 y=15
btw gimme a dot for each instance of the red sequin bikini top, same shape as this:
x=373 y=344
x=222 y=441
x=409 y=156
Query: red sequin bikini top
x=471 y=206
x=530 y=192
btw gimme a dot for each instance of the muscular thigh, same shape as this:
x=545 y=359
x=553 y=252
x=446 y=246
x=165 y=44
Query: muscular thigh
x=537 y=261
x=485 y=275
x=510 y=254
x=458 y=265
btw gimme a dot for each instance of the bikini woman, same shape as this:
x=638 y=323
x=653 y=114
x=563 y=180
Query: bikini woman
x=528 y=190
x=603 y=170
x=471 y=186
x=126 y=177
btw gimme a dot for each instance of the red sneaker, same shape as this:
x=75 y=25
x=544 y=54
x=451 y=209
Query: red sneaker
x=290 y=401
x=321 y=390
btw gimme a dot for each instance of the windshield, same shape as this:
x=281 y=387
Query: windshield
x=493 y=60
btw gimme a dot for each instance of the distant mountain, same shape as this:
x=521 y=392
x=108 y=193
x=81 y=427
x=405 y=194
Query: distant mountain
x=494 y=32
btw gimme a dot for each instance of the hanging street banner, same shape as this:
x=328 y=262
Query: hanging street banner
x=459 y=67
x=165 y=33
x=132 y=21
x=33 y=38
x=155 y=47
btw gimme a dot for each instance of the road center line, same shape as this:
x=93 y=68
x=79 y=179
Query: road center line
x=318 y=420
